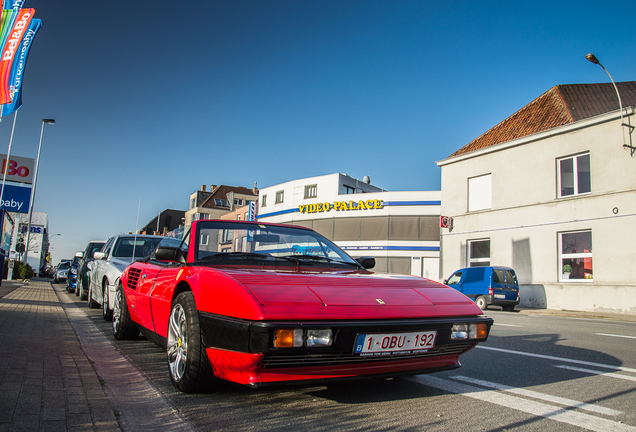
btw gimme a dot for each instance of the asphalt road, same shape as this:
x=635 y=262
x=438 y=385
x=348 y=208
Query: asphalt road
x=536 y=372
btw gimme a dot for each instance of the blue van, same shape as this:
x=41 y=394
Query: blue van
x=487 y=286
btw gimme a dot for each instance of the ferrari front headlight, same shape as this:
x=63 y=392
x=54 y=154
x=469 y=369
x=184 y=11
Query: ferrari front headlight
x=319 y=337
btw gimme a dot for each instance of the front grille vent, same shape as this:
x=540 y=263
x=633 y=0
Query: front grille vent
x=308 y=360
x=133 y=278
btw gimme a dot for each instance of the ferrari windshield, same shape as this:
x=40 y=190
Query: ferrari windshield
x=225 y=240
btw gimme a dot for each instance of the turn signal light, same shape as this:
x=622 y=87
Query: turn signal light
x=478 y=331
x=288 y=338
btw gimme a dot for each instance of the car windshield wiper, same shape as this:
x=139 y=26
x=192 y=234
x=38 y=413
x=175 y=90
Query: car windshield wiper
x=225 y=255
x=308 y=257
x=321 y=258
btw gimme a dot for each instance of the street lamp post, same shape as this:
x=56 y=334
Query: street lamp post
x=35 y=180
x=592 y=58
x=48 y=243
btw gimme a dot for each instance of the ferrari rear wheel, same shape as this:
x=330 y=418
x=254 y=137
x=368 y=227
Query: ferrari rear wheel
x=106 y=312
x=190 y=369
x=123 y=326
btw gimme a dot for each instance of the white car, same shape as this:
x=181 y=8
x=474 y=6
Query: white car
x=110 y=261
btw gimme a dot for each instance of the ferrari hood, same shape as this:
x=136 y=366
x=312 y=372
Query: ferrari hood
x=351 y=296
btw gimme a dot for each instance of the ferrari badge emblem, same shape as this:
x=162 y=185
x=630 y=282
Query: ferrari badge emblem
x=380 y=301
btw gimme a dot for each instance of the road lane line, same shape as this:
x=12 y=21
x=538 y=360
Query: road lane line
x=506 y=325
x=596 y=372
x=562 y=415
x=559 y=359
x=541 y=396
x=619 y=336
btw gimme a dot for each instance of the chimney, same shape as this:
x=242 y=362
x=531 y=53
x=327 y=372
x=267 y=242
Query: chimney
x=202 y=188
x=255 y=190
x=212 y=187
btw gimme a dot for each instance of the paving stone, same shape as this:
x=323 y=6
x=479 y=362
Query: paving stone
x=49 y=414
x=54 y=426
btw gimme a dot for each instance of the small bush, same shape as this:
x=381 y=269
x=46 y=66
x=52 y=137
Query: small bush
x=22 y=271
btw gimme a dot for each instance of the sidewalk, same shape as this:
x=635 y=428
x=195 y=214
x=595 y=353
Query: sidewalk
x=579 y=314
x=59 y=372
x=46 y=380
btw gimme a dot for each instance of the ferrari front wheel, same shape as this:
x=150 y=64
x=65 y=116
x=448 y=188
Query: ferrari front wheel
x=123 y=326
x=190 y=369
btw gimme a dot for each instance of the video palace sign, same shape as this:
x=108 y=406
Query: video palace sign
x=341 y=205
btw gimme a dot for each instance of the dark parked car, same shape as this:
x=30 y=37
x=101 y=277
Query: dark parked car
x=71 y=280
x=487 y=286
x=82 y=269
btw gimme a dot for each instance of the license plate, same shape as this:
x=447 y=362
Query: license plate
x=500 y=296
x=394 y=343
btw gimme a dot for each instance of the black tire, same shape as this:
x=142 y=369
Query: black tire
x=188 y=364
x=481 y=302
x=107 y=313
x=123 y=326
x=92 y=303
x=84 y=293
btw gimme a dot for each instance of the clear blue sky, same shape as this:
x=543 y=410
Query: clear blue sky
x=154 y=98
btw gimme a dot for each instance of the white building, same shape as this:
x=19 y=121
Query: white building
x=551 y=192
x=38 y=240
x=399 y=229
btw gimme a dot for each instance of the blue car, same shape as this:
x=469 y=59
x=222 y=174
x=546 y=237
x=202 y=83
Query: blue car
x=487 y=286
x=71 y=280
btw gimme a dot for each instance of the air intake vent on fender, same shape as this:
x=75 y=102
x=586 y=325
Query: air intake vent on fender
x=133 y=278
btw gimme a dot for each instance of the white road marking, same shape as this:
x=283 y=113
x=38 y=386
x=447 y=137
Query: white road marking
x=596 y=372
x=541 y=396
x=506 y=325
x=559 y=359
x=552 y=412
x=620 y=336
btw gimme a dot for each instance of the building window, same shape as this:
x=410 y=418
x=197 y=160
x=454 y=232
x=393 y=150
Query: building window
x=479 y=253
x=263 y=200
x=574 y=175
x=204 y=240
x=221 y=202
x=238 y=202
x=480 y=193
x=311 y=191
x=346 y=190
x=575 y=262
x=280 y=195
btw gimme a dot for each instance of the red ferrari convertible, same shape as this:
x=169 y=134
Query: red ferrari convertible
x=259 y=304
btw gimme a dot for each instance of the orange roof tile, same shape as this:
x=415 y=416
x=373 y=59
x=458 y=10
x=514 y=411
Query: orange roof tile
x=562 y=104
